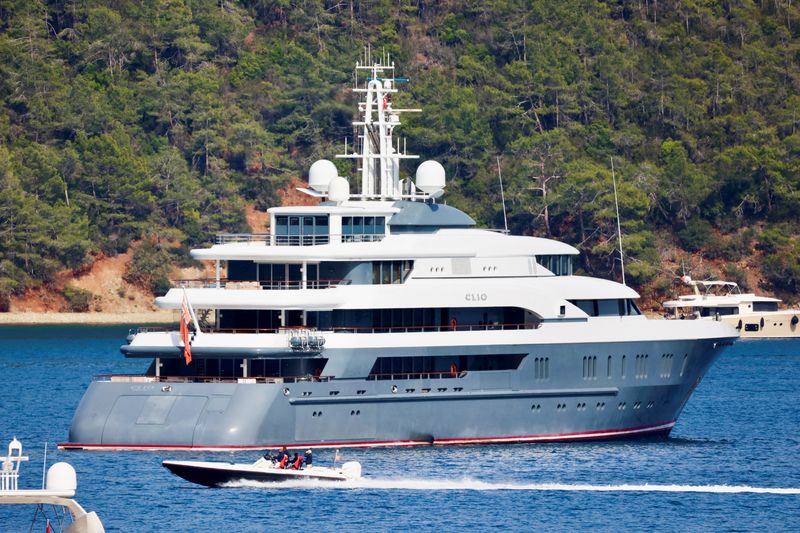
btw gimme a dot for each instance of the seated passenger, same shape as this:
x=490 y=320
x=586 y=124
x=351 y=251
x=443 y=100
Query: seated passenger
x=297 y=462
x=283 y=458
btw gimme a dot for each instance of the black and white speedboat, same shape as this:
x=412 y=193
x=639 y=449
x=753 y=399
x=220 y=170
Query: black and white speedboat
x=215 y=474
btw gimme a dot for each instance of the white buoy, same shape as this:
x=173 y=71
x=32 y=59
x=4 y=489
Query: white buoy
x=430 y=177
x=321 y=174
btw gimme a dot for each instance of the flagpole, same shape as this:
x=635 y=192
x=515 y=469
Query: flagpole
x=191 y=312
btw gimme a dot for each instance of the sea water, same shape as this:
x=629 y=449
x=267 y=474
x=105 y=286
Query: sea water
x=731 y=463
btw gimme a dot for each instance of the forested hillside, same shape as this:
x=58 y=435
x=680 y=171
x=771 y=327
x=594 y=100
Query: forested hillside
x=157 y=121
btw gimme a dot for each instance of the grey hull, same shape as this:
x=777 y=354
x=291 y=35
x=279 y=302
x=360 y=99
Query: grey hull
x=618 y=393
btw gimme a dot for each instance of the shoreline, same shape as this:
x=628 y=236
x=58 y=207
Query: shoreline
x=42 y=318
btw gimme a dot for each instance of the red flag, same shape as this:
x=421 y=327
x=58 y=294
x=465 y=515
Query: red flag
x=186 y=318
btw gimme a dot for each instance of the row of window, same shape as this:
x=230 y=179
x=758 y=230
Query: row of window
x=390 y=272
x=399 y=367
x=560 y=265
x=413 y=366
x=363 y=226
x=296 y=230
x=419 y=319
x=589 y=367
x=232 y=367
x=611 y=307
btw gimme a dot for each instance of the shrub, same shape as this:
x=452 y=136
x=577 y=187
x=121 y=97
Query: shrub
x=161 y=286
x=736 y=274
x=695 y=235
x=150 y=266
x=783 y=271
x=774 y=238
x=78 y=299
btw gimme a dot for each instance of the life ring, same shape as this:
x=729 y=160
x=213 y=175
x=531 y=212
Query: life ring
x=453 y=324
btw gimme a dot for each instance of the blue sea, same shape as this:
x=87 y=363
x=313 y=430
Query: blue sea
x=733 y=451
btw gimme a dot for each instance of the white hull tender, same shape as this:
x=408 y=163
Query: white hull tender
x=214 y=474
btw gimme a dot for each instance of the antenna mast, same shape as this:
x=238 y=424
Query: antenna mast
x=502 y=195
x=619 y=229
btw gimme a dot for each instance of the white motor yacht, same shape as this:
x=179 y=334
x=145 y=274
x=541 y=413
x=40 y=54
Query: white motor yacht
x=755 y=317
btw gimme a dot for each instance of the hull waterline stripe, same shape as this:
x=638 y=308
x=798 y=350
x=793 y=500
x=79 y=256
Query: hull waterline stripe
x=600 y=434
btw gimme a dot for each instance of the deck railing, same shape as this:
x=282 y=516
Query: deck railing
x=348 y=329
x=275 y=285
x=141 y=378
x=266 y=239
x=416 y=375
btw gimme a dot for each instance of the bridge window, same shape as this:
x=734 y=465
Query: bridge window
x=296 y=230
x=363 y=229
x=560 y=265
x=764 y=306
x=721 y=311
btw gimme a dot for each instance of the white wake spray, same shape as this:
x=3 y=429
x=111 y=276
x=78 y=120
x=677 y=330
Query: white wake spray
x=472 y=484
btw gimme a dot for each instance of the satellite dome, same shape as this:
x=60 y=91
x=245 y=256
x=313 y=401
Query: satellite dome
x=320 y=175
x=61 y=477
x=430 y=177
x=339 y=190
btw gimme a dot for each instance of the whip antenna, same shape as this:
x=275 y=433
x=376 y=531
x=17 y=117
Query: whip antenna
x=502 y=195
x=619 y=230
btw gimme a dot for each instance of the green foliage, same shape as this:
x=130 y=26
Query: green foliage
x=774 y=238
x=782 y=270
x=695 y=235
x=77 y=299
x=127 y=119
x=737 y=275
x=150 y=267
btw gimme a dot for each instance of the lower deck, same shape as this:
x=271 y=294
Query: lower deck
x=561 y=392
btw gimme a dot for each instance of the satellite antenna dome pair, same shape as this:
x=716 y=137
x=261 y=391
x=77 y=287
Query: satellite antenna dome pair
x=324 y=177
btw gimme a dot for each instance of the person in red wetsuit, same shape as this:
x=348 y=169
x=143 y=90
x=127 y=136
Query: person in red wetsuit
x=297 y=461
x=283 y=458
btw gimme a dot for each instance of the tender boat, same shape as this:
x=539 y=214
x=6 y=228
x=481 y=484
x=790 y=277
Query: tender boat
x=755 y=317
x=215 y=474
x=59 y=490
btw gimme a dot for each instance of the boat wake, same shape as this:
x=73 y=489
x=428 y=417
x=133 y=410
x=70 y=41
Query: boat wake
x=476 y=485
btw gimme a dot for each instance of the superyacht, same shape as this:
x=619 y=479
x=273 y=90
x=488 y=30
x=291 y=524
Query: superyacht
x=386 y=318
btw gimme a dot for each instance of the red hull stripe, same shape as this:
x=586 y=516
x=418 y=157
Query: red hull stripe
x=599 y=434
